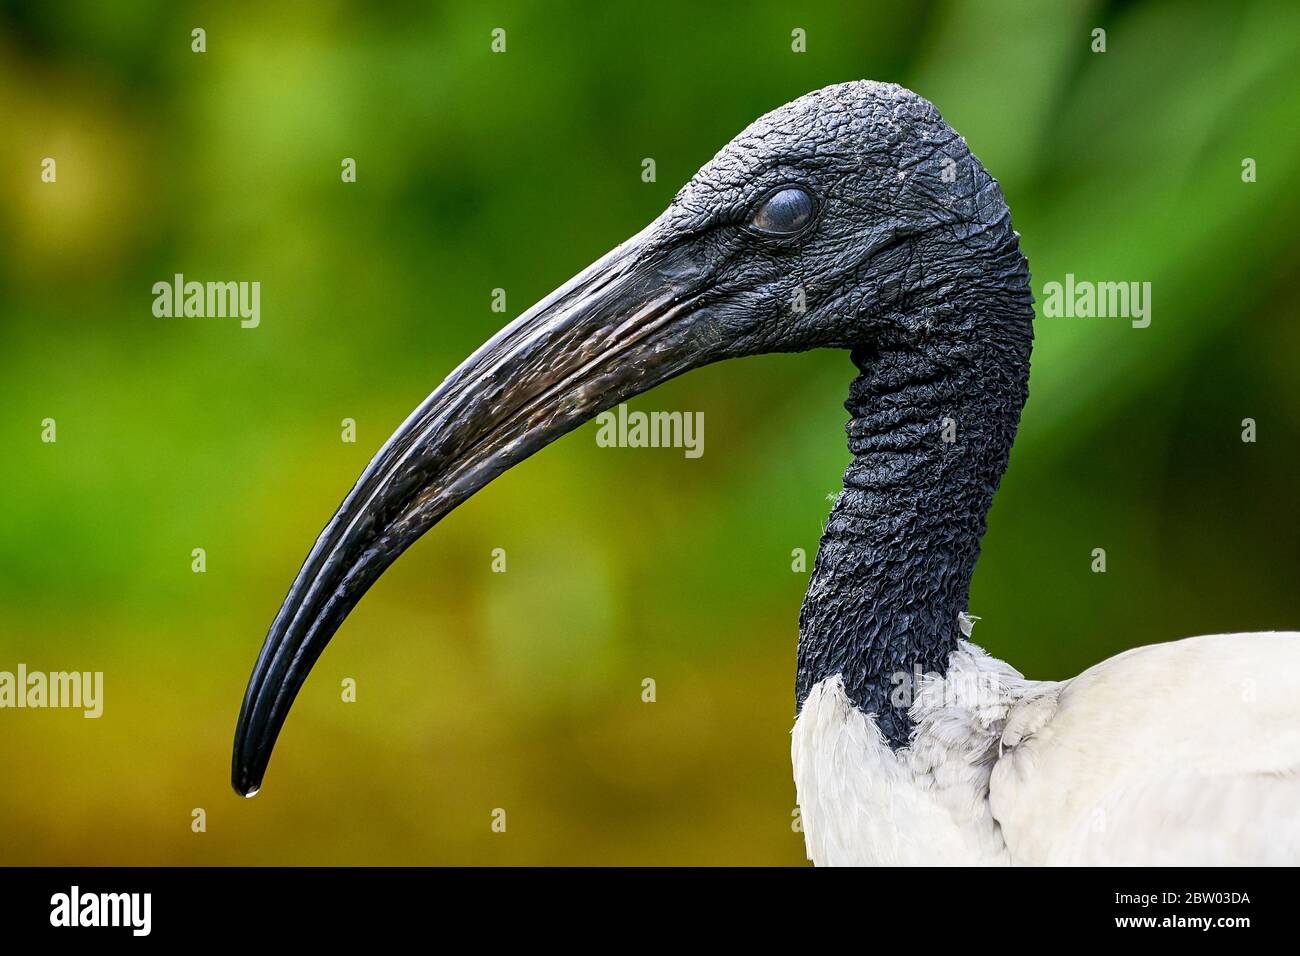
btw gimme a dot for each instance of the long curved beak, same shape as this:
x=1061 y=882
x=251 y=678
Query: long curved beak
x=626 y=323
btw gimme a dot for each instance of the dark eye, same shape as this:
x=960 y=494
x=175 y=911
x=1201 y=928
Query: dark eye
x=784 y=212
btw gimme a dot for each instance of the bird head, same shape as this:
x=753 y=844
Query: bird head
x=852 y=217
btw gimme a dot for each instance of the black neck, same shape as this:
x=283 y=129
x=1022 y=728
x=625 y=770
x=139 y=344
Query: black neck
x=933 y=418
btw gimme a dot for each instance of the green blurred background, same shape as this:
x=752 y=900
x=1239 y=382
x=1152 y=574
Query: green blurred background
x=476 y=171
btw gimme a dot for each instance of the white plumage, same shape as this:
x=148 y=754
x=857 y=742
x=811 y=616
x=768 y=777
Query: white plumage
x=1180 y=753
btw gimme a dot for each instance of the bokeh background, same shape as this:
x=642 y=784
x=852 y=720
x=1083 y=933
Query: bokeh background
x=476 y=171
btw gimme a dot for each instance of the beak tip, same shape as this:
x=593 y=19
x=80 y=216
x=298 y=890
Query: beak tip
x=246 y=781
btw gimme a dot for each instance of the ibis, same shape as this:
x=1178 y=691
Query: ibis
x=855 y=218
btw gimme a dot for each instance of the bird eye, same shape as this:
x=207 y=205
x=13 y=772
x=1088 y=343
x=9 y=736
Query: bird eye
x=784 y=212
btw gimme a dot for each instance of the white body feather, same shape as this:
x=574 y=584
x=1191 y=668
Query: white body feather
x=1176 y=754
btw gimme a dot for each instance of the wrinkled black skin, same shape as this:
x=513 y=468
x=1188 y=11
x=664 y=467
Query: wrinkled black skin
x=920 y=278
x=895 y=563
